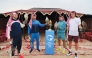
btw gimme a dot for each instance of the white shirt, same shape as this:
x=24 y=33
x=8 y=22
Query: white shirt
x=73 y=26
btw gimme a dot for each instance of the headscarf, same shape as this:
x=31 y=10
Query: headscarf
x=9 y=23
x=30 y=22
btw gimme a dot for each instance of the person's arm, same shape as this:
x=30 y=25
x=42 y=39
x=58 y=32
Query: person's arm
x=29 y=30
x=8 y=33
x=22 y=25
x=41 y=25
x=67 y=29
x=79 y=23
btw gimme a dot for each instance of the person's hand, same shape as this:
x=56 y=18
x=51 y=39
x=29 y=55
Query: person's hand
x=8 y=40
x=22 y=25
x=46 y=24
x=80 y=29
x=58 y=28
x=28 y=36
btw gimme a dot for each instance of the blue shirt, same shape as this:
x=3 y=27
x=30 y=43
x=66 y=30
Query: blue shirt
x=35 y=26
x=61 y=26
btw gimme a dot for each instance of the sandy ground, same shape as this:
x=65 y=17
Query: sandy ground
x=85 y=46
x=47 y=56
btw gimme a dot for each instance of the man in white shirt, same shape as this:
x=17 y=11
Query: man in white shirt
x=73 y=25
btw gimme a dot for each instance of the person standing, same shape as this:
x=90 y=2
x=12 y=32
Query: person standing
x=73 y=25
x=33 y=31
x=61 y=29
x=13 y=30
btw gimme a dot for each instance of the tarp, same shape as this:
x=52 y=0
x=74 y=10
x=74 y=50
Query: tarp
x=44 y=11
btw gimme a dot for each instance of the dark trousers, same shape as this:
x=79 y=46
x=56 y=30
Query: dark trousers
x=16 y=43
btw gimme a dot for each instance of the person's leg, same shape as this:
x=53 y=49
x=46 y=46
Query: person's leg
x=76 y=42
x=37 y=42
x=14 y=44
x=64 y=43
x=64 y=46
x=70 y=44
x=32 y=42
x=66 y=40
x=76 y=45
x=63 y=39
x=19 y=44
x=59 y=42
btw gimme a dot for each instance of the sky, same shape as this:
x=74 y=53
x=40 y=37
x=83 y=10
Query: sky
x=80 y=6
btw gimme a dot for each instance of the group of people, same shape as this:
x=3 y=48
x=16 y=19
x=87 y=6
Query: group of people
x=69 y=29
x=14 y=26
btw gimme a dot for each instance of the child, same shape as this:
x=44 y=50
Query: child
x=61 y=33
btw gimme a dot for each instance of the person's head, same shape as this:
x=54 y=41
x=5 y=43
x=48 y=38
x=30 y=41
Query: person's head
x=15 y=15
x=61 y=17
x=73 y=14
x=33 y=16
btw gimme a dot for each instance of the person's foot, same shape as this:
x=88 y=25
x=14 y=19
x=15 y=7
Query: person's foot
x=13 y=57
x=18 y=53
x=20 y=56
x=63 y=50
x=38 y=50
x=75 y=56
x=30 y=50
x=58 y=48
x=69 y=53
x=0 y=48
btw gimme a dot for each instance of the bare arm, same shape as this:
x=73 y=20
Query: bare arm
x=67 y=30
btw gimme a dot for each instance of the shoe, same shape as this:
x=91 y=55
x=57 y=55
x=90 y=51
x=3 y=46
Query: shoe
x=13 y=57
x=38 y=50
x=69 y=53
x=63 y=51
x=20 y=56
x=0 y=48
x=30 y=50
x=57 y=49
x=75 y=56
